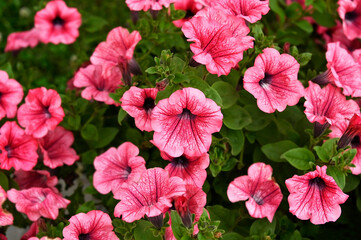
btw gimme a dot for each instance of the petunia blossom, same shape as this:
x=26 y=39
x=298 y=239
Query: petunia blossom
x=92 y=225
x=151 y=196
x=215 y=43
x=250 y=10
x=33 y=229
x=11 y=93
x=35 y=178
x=41 y=112
x=116 y=54
x=57 y=23
x=38 y=202
x=97 y=86
x=191 y=7
x=6 y=218
x=184 y=123
x=349 y=132
x=44 y=238
x=17 y=149
x=145 y=5
x=139 y=104
x=191 y=169
x=350 y=13
x=19 y=40
x=273 y=81
x=117 y=166
x=55 y=148
x=328 y=105
x=315 y=196
x=263 y=193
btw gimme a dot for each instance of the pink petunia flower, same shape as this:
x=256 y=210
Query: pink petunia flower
x=3 y=237
x=38 y=202
x=315 y=196
x=350 y=13
x=263 y=193
x=139 y=103
x=218 y=44
x=35 y=178
x=145 y=5
x=93 y=225
x=349 y=133
x=184 y=123
x=41 y=112
x=116 y=54
x=152 y=195
x=6 y=218
x=273 y=81
x=17 y=149
x=190 y=169
x=328 y=104
x=33 y=230
x=343 y=70
x=97 y=86
x=55 y=148
x=11 y=95
x=117 y=166
x=191 y=7
x=57 y=23
x=250 y=10
x=44 y=238
x=18 y=40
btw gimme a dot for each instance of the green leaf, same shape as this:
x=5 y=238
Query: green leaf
x=226 y=216
x=7 y=68
x=227 y=92
x=106 y=135
x=152 y=70
x=304 y=58
x=235 y=139
x=308 y=2
x=89 y=132
x=236 y=117
x=94 y=23
x=260 y=119
x=230 y=164
x=232 y=236
x=88 y=157
x=300 y=158
x=178 y=228
x=121 y=116
x=352 y=182
x=305 y=26
x=74 y=122
x=274 y=150
x=262 y=227
x=4 y=181
x=278 y=10
x=142 y=231
x=86 y=207
x=323 y=18
x=338 y=175
x=327 y=150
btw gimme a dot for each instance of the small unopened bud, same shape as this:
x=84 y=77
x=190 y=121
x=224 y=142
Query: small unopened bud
x=218 y=235
x=157 y=221
x=161 y=85
x=319 y=129
x=193 y=63
x=181 y=205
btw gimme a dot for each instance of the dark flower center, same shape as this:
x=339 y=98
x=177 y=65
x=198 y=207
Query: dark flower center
x=317 y=181
x=8 y=149
x=189 y=14
x=46 y=112
x=58 y=21
x=257 y=198
x=148 y=104
x=187 y=114
x=355 y=142
x=126 y=172
x=350 y=16
x=180 y=161
x=266 y=80
x=85 y=236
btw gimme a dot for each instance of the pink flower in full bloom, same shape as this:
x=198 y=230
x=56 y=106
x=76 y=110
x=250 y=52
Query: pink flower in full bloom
x=17 y=149
x=41 y=112
x=250 y=10
x=328 y=104
x=152 y=195
x=93 y=225
x=184 y=123
x=217 y=43
x=350 y=13
x=6 y=218
x=35 y=178
x=345 y=72
x=191 y=169
x=349 y=133
x=315 y=196
x=145 y=5
x=263 y=193
x=18 y=40
x=116 y=53
x=97 y=86
x=191 y=7
x=57 y=23
x=273 y=81
x=38 y=202
x=11 y=93
x=139 y=103
x=117 y=166
x=55 y=148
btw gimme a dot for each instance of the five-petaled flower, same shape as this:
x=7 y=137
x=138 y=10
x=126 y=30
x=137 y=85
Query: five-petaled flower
x=315 y=196
x=350 y=13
